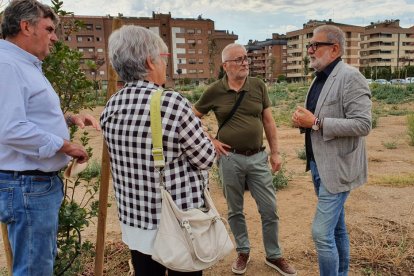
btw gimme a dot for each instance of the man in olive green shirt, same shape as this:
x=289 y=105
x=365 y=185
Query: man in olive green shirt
x=241 y=156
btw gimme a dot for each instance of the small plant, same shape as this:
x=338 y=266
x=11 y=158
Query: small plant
x=301 y=153
x=410 y=124
x=78 y=209
x=281 y=178
x=374 y=120
x=390 y=145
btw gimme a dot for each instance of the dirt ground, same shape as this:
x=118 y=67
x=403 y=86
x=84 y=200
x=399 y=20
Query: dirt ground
x=296 y=203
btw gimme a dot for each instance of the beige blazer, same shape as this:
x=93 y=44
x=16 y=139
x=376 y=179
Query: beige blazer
x=339 y=147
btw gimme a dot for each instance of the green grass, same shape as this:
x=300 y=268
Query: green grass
x=398 y=180
x=390 y=145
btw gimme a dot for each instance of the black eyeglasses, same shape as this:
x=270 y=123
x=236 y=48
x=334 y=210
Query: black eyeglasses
x=315 y=45
x=240 y=60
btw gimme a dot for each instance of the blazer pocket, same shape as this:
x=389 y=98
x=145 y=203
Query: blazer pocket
x=350 y=166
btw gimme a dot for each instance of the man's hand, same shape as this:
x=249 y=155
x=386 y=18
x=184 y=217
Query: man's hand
x=74 y=150
x=275 y=162
x=303 y=118
x=82 y=120
x=221 y=148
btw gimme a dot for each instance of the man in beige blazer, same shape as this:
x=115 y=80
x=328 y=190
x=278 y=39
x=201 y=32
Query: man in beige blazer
x=336 y=119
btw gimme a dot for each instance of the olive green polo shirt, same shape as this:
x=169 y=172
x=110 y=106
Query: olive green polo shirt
x=244 y=131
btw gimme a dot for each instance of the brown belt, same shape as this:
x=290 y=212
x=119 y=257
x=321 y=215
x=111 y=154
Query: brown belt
x=247 y=152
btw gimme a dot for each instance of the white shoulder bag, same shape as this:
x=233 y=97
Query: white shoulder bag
x=189 y=240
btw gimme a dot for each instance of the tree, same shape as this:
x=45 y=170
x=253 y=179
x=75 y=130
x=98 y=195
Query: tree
x=62 y=69
x=93 y=66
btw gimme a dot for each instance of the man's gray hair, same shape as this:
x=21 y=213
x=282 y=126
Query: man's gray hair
x=227 y=49
x=24 y=10
x=129 y=47
x=333 y=34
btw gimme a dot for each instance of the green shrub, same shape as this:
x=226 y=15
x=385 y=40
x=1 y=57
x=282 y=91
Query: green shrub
x=281 y=178
x=301 y=153
x=410 y=125
x=374 y=120
x=390 y=145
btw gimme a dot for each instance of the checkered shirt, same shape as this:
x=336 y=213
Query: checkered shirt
x=188 y=153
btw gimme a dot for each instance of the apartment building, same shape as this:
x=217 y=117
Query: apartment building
x=268 y=57
x=386 y=44
x=297 y=60
x=194 y=44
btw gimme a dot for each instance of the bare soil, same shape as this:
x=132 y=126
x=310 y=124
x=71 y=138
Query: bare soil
x=368 y=208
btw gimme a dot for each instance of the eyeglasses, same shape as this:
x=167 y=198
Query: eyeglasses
x=165 y=57
x=315 y=45
x=240 y=60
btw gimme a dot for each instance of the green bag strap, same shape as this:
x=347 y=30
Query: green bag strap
x=156 y=129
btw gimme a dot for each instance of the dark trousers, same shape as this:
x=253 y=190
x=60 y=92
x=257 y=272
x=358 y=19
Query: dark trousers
x=144 y=265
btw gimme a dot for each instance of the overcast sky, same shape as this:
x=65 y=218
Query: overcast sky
x=255 y=19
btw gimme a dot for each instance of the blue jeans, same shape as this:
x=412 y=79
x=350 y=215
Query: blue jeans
x=237 y=170
x=29 y=205
x=329 y=230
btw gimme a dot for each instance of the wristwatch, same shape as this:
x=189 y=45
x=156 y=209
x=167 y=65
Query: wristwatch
x=316 y=124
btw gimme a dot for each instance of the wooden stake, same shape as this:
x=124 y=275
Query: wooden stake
x=105 y=174
x=7 y=248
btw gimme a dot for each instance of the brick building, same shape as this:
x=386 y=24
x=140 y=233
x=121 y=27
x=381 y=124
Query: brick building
x=194 y=44
x=268 y=57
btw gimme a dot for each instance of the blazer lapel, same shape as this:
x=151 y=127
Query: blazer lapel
x=327 y=87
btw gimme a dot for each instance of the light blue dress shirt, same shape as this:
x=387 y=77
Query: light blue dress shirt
x=32 y=125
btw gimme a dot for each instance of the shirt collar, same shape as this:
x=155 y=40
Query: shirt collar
x=245 y=86
x=16 y=50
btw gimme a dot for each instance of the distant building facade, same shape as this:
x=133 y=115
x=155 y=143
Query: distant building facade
x=386 y=44
x=195 y=46
x=268 y=57
x=297 y=60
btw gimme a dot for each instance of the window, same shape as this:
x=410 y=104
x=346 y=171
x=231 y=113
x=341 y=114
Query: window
x=89 y=26
x=198 y=31
x=80 y=49
x=200 y=51
x=192 y=71
x=99 y=50
x=201 y=71
x=199 y=41
x=79 y=39
x=191 y=51
x=98 y=38
x=101 y=73
x=98 y=27
x=192 y=61
x=190 y=31
x=200 y=61
x=68 y=38
x=190 y=41
x=90 y=49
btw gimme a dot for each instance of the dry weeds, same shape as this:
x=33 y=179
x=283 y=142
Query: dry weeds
x=383 y=246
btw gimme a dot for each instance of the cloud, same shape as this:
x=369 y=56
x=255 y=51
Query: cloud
x=255 y=19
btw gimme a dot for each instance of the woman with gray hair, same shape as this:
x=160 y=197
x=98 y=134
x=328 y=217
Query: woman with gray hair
x=139 y=56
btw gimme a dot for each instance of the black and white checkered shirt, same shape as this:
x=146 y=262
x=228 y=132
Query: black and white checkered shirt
x=126 y=128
